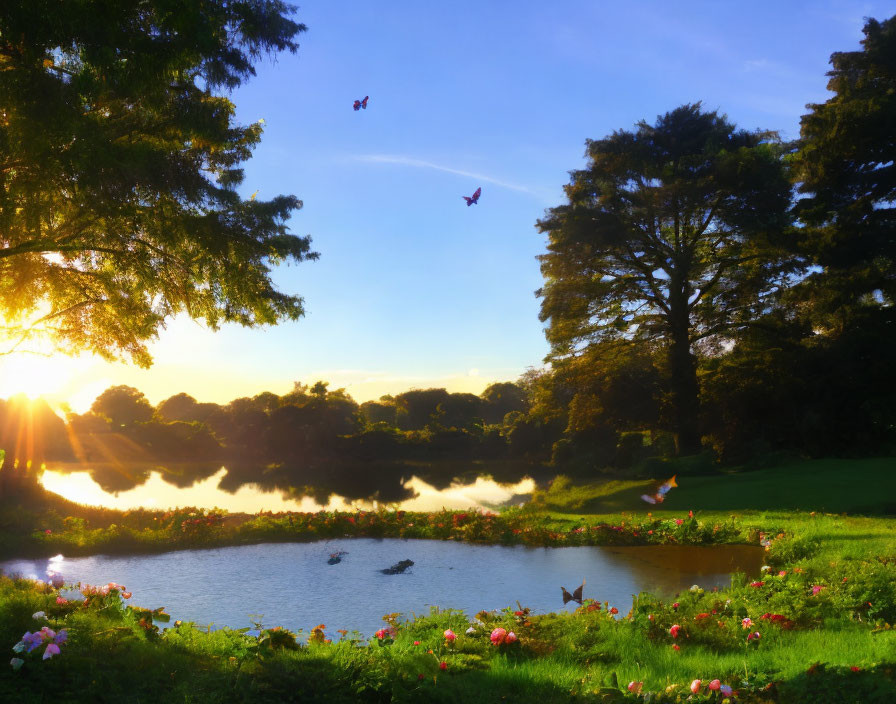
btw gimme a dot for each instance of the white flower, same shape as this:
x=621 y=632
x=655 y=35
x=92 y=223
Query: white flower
x=470 y=631
x=764 y=568
x=38 y=615
x=16 y=663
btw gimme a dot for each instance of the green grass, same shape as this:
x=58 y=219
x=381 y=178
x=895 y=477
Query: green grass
x=866 y=486
x=578 y=657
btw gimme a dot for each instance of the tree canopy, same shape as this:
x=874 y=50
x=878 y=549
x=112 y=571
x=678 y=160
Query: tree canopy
x=670 y=237
x=119 y=162
x=846 y=169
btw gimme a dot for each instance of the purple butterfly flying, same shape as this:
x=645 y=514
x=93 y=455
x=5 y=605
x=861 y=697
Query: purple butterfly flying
x=358 y=104
x=475 y=198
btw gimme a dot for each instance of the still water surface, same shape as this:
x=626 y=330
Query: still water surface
x=156 y=493
x=291 y=584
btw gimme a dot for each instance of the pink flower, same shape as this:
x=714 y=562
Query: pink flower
x=126 y=595
x=675 y=605
x=725 y=690
x=52 y=649
x=380 y=633
x=678 y=522
x=48 y=531
x=695 y=686
x=754 y=636
x=674 y=630
x=449 y=636
x=416 y=642
x=746 y=623
x=443 y=665
x=715 y=685
x=635 y=687
x=498 y=635
x=61 y=600
x=510 y=638
x=782 y=573
x=756 y=584
x=676 y=647
x=817 y=588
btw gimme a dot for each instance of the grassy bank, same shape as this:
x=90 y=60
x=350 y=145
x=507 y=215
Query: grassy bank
x=824 y=609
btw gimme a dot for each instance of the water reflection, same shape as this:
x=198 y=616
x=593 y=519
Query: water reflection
x=292 y=585
x=218 y=489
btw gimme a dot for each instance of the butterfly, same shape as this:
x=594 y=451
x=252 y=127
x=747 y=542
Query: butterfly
x=475 y=198
x=661 y=492
x=576 y=596
x=358 y=104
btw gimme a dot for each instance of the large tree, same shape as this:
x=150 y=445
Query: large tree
x=669 y=238
x=119 y=162
x=846 y=167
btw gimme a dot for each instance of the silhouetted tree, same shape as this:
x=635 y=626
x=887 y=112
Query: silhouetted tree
x=669 y=237
x=123 y=406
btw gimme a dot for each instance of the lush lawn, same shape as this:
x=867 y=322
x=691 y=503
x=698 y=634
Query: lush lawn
x=823 y=623
x=866 y=486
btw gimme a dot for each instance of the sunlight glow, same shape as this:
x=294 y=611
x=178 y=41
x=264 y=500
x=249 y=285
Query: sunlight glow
x=155 y=493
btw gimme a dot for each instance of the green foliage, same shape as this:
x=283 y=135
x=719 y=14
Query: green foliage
x=119 y=163
x=670 y=238
x=846 y=174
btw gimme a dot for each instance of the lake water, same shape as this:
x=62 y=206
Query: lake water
x=156 y=493
x=291 y=584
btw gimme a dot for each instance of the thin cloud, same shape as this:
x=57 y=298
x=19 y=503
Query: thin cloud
x=419 y=163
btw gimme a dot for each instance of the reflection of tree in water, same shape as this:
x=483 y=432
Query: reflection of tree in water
x=114 y=478
x=124 y=476
x=364 y=481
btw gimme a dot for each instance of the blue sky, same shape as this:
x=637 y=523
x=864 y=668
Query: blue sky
x=413 y=288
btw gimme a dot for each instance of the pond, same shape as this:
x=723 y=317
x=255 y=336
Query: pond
x=291 y=584
x=155 y=491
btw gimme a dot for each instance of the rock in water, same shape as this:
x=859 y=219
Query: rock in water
x=398 y=567
x=336 y=557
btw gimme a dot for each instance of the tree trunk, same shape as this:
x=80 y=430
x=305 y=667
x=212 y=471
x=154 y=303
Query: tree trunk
x=685 y=390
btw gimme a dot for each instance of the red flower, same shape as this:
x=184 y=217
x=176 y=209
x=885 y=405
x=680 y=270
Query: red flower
x=854 y=668
x=756 y=584
x=676 y=647
x=614 y=611
x=679 y=521
x=700 y=616
x=443 y=665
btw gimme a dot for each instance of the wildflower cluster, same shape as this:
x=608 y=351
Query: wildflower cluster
x=32 y=641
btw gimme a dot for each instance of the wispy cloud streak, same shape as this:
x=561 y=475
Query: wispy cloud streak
x=420 y=163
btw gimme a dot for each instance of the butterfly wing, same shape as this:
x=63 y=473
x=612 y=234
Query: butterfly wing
x=364 y=102
x=357 y=105
x=567 y=597
x=648 y=499
x=469 y=200
x=577 y=594
x=477 y=194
